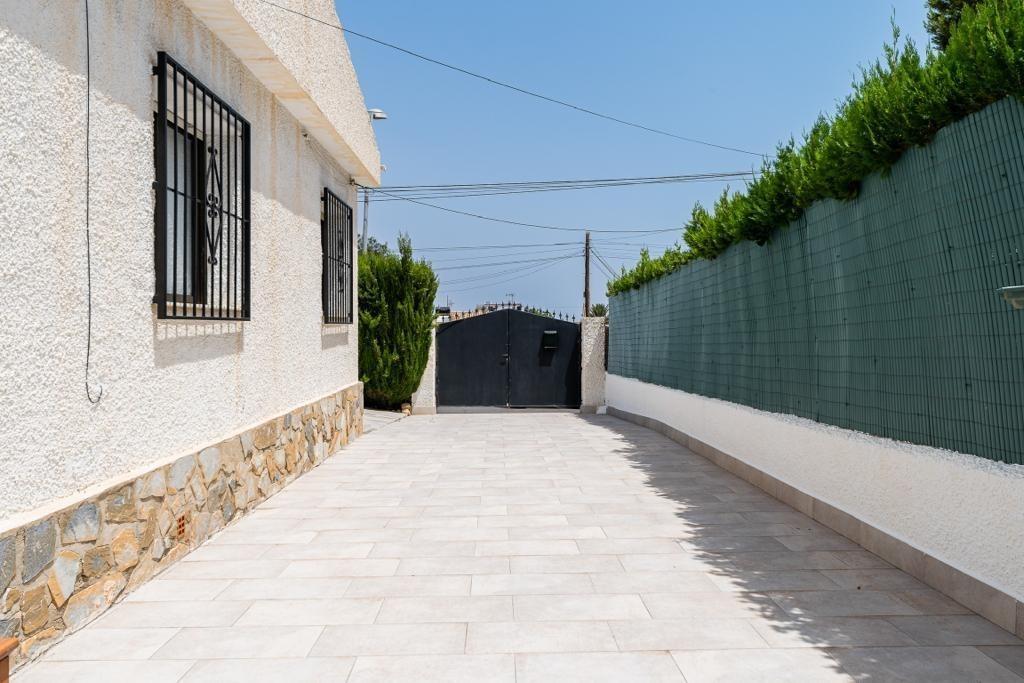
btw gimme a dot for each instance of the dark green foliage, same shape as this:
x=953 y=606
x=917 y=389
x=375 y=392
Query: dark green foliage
x=599 y=310
x=942 y=17
x=899 y=102
x=373 y=245
x=396 y=315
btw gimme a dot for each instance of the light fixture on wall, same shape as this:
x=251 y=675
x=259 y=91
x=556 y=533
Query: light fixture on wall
x=1013 y=295
x=376 y=114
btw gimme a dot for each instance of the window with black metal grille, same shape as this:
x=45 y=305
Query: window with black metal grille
x=202 y=236
x=336 y=243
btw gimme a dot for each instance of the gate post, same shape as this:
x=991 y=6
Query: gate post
x=592 y=366
x=424 y=400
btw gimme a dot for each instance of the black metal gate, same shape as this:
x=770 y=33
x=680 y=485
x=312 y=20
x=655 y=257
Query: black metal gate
x=508 y=358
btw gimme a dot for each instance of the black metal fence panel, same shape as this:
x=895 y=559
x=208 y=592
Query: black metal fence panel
x=336 y=242
x=880 y=315
x=202 y=229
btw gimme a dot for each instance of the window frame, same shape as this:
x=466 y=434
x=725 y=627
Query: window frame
x=337 y=223
x=215 y=129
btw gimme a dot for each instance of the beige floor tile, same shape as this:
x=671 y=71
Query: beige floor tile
x=535 y=548
x=716 y=605
x=579 y=607
x=208 y=553
x=540 y=636
x=547 y=533
x=238 y=642
x=172 y=614
x=440 y=566
x=390 y=639
x=686 y=634
x=531 y=584
x=785 y=560
x=285 y=589
x=842 y=603
x=396 y=586
x=294 y=670
x=339 y=568
x=226 y=569
x=1010 y=656
x=445 y=609
x=953 y=630
x=817 y=542
x=425 y=549
x=459 y=534
x=629 y=546
x=760 y=666
x=319 y=548
x=931 y=664
x=874 y=579
x=930 y=601
x=755 y=580
x=652 y=582
x=597 y=667
x=830 y=632
x=322 y=612
x=111 y=644
x=566 y=564
x=164 y=590
x=104 y=672
x=434 y=669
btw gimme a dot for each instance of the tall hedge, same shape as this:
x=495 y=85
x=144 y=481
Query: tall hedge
x=396 y=317
x=899 y=102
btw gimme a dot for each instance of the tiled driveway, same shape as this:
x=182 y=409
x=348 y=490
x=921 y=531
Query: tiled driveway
x=530 y=547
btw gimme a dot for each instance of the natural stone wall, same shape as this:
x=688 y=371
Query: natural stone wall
x=60 y=572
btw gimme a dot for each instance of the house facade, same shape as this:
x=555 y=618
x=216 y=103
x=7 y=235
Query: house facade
x=179 y=266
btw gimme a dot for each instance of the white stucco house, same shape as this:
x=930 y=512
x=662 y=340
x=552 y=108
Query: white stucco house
x=176 y=184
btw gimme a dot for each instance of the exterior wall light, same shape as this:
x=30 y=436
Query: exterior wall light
x=376 y=114
x=1013 y=295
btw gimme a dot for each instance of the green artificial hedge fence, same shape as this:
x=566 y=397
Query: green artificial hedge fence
x=880 y=314
x=897 y=104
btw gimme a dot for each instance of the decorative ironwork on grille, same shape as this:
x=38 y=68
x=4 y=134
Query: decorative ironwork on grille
x=202 y=200
x=336 y=242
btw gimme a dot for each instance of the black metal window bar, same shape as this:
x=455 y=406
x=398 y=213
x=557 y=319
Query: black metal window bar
x=202 y=200
x=336 y=242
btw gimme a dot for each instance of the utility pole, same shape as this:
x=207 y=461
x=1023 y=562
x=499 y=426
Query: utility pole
x=366 y=216
x=586 y=277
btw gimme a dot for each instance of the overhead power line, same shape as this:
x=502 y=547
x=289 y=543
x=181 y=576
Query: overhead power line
x=515 y=88
x=647 y=231
x=492 y=189
x=521 y=274
x=495 y=246
x=504 y=263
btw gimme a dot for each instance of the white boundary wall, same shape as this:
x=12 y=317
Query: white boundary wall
x=961 y=509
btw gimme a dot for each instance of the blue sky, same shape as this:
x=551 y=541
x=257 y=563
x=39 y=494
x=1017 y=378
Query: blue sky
x=745 y=74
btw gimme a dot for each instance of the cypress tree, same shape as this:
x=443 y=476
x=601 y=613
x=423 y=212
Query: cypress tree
x=396 y=317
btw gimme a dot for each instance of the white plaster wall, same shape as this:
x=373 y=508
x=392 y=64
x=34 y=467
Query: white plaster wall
x=593 y=379
x=169 y=388
x=961 y=509
x=306 y=63
x=424 y=401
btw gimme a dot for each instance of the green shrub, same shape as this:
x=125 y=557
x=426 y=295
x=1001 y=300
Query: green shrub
x=396 y=316
x=942 y=17
x=899 y=102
